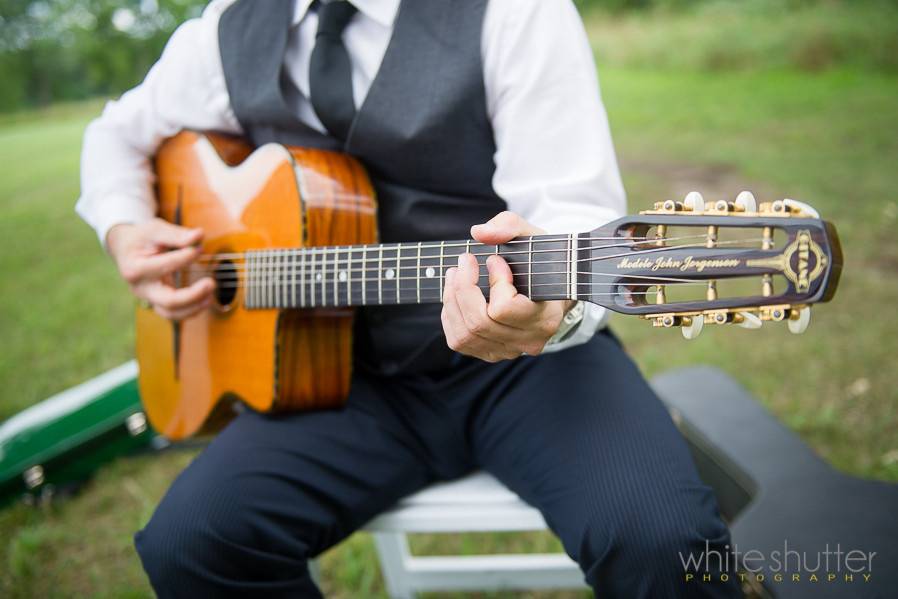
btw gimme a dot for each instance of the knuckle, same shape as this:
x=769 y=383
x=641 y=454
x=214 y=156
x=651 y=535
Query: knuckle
x=465 y=339
x=478 y=325
x=130 y=272
x=500 y=310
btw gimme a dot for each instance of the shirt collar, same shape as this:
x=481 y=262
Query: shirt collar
x=382 y=11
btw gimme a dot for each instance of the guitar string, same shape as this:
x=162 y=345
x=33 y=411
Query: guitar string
x=275 y=260
x=327 y=277
x=259 y=283
x=413 y=245
x=278 y=268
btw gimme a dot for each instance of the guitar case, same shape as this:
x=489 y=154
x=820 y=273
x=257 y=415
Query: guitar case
x=55 y=445
x=778 y=495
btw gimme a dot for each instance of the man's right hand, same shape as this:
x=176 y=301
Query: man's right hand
x=148 y=253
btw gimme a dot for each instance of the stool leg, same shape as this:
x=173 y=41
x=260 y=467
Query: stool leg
x=393 y=552
x=315 y=572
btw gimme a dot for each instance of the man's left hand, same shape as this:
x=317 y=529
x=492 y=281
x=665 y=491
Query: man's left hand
x=509 y=324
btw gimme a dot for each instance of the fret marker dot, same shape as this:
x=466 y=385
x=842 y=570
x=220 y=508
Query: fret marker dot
x=342 y=276
x=389 y=273
x=430 y=272
x=317 y=276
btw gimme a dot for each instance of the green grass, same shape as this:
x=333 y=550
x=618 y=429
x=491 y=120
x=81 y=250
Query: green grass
x=727 y=35
x=824 y=137
x=64 y=315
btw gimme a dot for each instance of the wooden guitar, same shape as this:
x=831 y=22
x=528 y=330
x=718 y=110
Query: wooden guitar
x=290 y=238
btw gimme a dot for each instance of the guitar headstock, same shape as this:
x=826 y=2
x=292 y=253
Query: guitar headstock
x=690 y=263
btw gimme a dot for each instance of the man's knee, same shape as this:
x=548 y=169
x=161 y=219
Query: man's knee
x=652 y=543
x=221 y=540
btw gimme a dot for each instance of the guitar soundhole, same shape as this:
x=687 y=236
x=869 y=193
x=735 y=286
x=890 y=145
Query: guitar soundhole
x=226 y=278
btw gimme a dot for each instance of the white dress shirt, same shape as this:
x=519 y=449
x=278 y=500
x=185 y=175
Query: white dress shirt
x=555 y=163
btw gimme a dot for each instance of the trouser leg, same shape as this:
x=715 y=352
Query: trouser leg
x=269 y=493
x=581 y=436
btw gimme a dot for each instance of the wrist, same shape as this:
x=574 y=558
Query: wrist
x=115 y=235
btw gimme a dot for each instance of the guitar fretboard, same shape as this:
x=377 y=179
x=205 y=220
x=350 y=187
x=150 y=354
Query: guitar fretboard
x=401 y=273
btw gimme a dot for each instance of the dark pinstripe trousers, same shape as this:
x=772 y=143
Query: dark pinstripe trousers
x=578 y=434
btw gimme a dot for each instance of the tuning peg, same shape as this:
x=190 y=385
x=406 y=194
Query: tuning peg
x=801 y=208
x=746 y=201
x=799 y=320
x=748 y=320
x=694 y=327
x=694 y=201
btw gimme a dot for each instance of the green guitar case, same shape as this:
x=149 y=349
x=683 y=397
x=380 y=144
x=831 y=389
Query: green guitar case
x=57 y=443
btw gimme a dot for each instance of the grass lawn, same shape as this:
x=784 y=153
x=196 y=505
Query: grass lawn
x=827 y=138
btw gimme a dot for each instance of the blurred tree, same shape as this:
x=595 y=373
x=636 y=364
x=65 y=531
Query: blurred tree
x=70 y=49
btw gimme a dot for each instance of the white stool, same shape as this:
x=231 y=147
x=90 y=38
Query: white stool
x=476 y=503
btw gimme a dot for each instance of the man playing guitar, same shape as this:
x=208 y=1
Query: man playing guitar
x=474 y=117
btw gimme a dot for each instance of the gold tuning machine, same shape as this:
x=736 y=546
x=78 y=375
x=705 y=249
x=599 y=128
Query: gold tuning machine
x=788 y=207
x=692 y=323
x=745 y=204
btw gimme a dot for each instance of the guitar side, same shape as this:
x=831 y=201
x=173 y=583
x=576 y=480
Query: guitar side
x=192 y=372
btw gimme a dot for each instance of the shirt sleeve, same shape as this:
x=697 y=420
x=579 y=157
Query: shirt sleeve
x=555 y=161
x=184 y=89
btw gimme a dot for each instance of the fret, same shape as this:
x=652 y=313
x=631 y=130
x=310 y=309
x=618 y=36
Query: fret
x=418 y=276
x=442 y=269
x=349 y=277
x=380 y=275
x=313 y=276
x=364 y=274
x=276 y=279
x=260 y=299
x=273 y=273
x=292 y=279
x=321 y=276
x=398 y=270
x=530 y=268
x=572 y=268
x=265 y=287
x=246 y=279
x=336 y=269
x=302 y=277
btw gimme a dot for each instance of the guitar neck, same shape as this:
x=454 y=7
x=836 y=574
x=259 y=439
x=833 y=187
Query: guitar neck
x=401 y=273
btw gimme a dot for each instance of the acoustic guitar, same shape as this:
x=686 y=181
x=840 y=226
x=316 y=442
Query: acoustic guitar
x=291 y=241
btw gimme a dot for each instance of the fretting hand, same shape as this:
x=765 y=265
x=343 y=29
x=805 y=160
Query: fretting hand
x=148 y=253
x=509 y=324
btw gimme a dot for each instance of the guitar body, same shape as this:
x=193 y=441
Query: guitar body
x=192 y=372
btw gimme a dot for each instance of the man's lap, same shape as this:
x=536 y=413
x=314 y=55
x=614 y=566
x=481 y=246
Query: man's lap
x=578 y=434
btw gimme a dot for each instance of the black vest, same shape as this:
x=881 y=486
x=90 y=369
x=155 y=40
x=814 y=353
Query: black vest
x=422 y=132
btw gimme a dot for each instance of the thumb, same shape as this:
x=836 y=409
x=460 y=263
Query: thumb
x=166 y=234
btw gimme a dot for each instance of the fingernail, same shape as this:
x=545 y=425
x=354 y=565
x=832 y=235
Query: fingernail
x=461 y=260
x=450 y=276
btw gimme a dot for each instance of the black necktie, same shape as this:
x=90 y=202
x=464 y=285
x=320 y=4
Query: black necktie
x=330 y=72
